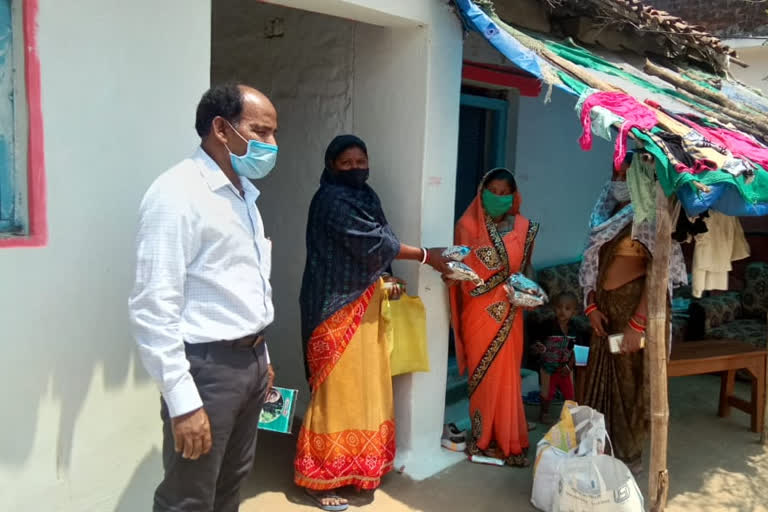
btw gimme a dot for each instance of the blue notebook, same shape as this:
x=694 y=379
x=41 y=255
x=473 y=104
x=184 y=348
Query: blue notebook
x=278 y=411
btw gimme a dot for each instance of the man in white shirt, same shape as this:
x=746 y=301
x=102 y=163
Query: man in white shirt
x=203 y=299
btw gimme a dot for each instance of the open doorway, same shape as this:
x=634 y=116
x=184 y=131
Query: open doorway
x=389 y=73
x=482 y=145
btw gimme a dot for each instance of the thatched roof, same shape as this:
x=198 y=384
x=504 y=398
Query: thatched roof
x=623 y=24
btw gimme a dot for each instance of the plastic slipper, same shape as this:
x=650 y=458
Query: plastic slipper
x=318 y=499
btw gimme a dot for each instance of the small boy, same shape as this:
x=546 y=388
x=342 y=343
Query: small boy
x=556 y=352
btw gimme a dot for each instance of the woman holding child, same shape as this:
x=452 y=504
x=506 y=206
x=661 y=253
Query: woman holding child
x=488 y=329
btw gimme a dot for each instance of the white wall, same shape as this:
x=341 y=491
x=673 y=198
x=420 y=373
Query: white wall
x=311 y=87
x=120 y=82
x=396 y=84
x=407 y=84
x=558 y=181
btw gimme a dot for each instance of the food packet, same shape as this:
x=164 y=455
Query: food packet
x=523 y=292
x=456 y=252
x=522 y=284
x=524 y=300
x=461 y=272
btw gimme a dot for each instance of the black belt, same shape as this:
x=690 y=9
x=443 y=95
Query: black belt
x=247 y=342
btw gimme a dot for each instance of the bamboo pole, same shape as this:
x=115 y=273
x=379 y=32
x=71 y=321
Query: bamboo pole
x=579 y=72
x=709 y=97
x=658 y=478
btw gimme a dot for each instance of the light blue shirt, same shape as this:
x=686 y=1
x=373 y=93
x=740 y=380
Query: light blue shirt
x=202 y=272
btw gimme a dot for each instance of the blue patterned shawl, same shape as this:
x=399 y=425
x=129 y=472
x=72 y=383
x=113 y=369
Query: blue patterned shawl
x=350 y=244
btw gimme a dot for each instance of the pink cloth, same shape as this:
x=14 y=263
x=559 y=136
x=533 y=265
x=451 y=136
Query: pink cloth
x=635 y=115
x=739 y=144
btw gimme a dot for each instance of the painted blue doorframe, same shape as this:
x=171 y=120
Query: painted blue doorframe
x=7 y=121
x=482 y=145
x=498 y=136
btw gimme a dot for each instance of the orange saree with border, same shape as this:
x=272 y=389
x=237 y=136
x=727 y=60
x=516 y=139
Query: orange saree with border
x=488 y=329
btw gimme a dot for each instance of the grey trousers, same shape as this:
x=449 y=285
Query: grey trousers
x=232 y=382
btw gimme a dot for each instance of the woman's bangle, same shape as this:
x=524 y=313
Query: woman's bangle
x=641 y=319
x=636 y=326
x=590 y=309
x=426 y=255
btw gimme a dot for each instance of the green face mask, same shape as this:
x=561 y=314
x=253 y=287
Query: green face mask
x=496 y=206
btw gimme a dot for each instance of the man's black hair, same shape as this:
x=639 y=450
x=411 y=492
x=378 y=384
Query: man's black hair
x=225 y=100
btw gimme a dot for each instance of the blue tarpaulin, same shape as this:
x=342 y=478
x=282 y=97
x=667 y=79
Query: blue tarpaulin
x=722 y=197
x=474 y=18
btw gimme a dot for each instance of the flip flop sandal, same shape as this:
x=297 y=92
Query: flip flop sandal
x=318 y=499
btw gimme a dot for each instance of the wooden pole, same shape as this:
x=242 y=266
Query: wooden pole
x=764 y=435
x=657 y=347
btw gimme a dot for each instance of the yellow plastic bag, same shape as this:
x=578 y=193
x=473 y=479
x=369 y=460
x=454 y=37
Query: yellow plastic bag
x=405 y=324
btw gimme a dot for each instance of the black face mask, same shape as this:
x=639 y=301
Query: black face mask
x=354 y=178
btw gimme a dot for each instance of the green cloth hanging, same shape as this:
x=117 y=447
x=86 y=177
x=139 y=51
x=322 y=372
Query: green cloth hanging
x=577 y=85
x=642 y=190
x=671 y=180
x=589 y=60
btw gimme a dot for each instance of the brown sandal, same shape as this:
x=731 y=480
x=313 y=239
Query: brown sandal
x=519 y=460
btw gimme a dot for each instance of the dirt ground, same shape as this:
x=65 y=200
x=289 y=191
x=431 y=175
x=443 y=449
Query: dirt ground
x=715 y=464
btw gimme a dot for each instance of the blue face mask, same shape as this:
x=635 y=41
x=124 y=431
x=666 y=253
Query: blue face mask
x=259 y=159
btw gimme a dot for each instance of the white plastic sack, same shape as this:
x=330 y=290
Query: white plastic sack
x=580 y=432
x=596 y=483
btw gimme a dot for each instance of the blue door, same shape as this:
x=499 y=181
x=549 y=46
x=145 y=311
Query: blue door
x=7 y=122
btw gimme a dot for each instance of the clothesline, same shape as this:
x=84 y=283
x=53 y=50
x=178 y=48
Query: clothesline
x=733 y=182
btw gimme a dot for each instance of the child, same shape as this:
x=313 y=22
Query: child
x=556 y=352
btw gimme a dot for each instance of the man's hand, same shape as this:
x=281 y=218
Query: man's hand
x=192 y=434
x=538 y=348
x=598 y=321
x=271 y=374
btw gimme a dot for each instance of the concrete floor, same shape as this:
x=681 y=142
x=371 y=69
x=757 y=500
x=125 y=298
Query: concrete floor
x=715 y=464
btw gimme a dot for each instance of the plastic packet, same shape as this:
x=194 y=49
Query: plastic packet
x=461 y=272
x=522 y=284
x=457 y=252
x=525 y=300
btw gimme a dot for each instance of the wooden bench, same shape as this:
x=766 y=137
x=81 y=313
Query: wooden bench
x=725 y=357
